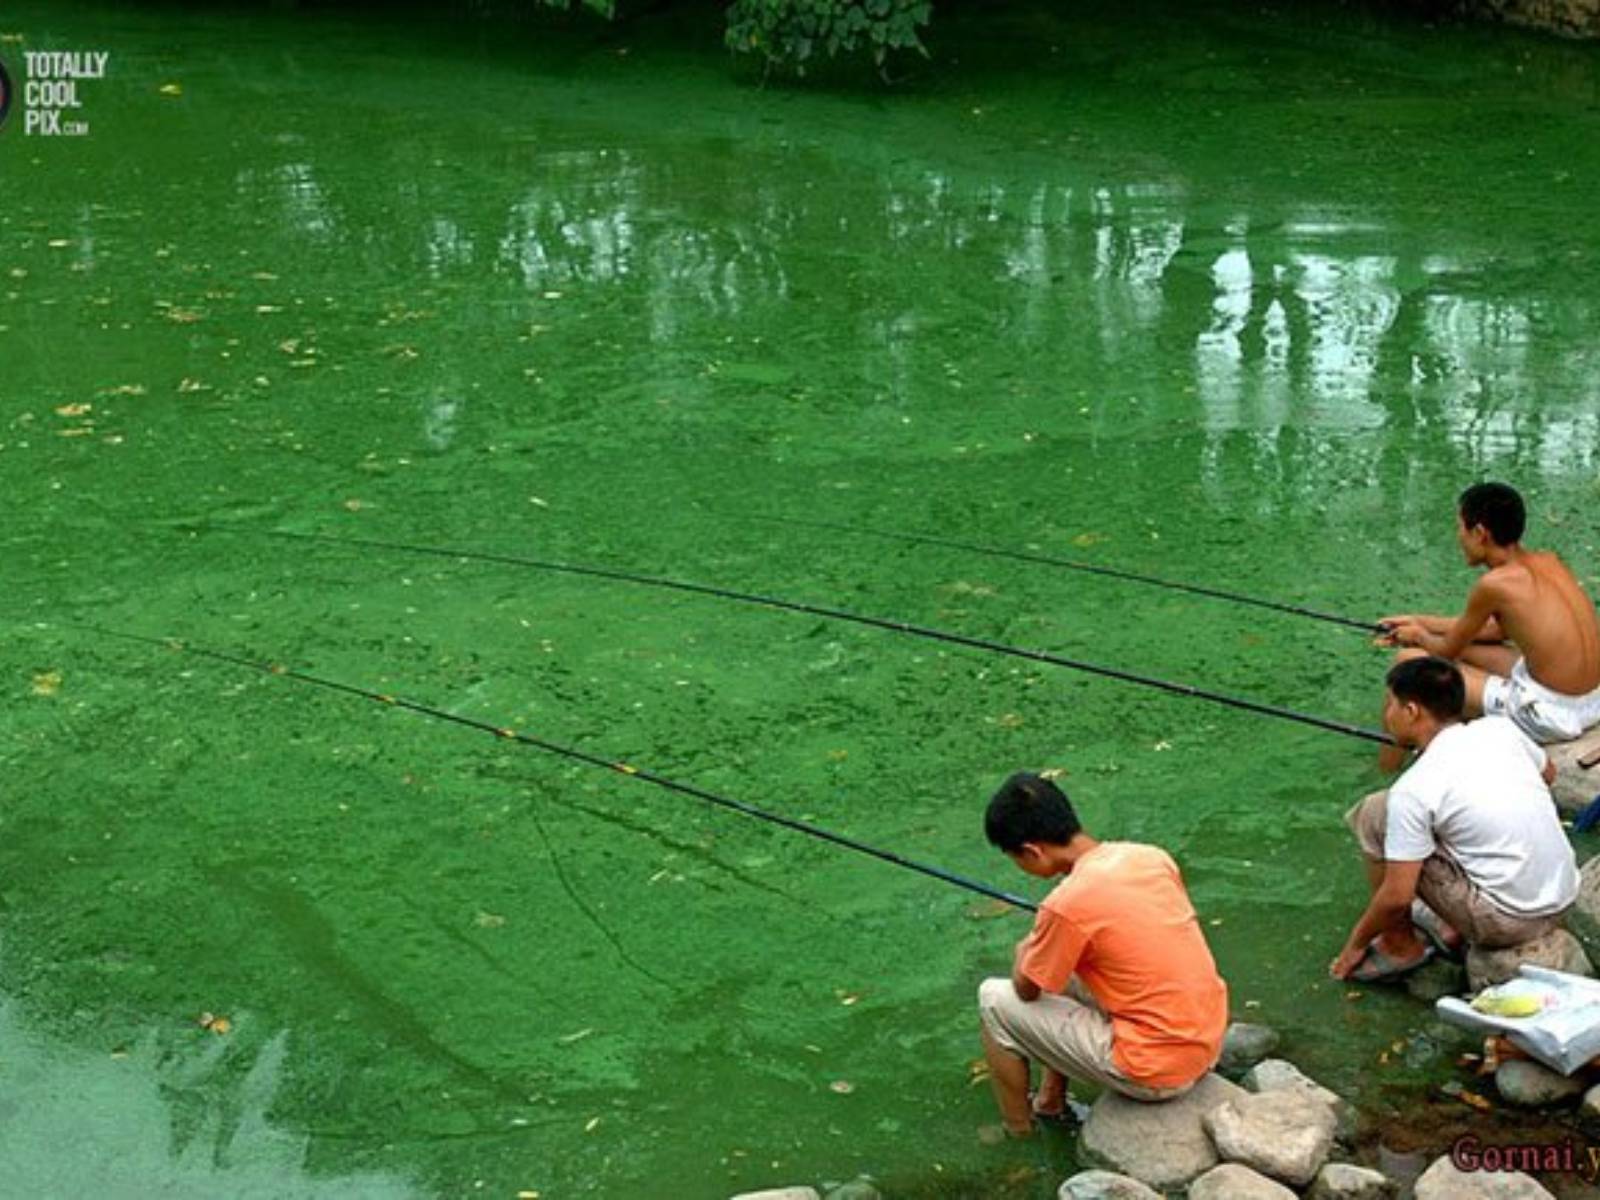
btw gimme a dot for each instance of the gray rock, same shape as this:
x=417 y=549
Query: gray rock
x=1443 y=1182
x=1342 y=1181
x=1555 y=948
x=1583 y=918
x=1589 y=1109
x=1440 y=978
x=1286 y=1133
x=1574 y=787
x=1533 y=1085
x=1278 y=1075
x=1230 y=1181
x=1244 y=1045
x=856 y=1189
x=1105 y=1185
x=1162 y=1145
x=783 y=1193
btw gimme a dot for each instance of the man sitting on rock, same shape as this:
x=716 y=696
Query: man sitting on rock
x=1528 y=642
x=1146 y=1010
x=1470 y=828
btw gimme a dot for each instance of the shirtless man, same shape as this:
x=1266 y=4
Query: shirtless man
x=1528 y=643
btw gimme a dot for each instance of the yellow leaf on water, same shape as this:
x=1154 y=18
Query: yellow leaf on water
x=171 y=89
x=987 y=910
x=73 y=410
x=1087 y=539
x=46 y=683
x=842 y=1086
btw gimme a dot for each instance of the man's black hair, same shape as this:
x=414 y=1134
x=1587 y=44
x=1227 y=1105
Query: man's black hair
x=1434 y=683
x=1029 y=808
x=1498 y=508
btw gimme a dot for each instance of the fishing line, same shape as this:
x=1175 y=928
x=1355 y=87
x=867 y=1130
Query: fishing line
x=583 y=756
x=924 y=539
x=837 y=614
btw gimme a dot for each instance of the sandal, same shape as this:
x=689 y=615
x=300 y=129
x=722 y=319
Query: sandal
x=1433 y=927
x=1377 y=967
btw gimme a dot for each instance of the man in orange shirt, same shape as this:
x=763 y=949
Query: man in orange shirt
x=1114 y=984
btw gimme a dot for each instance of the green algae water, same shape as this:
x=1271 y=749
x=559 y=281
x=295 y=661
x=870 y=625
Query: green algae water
x=1234 y=296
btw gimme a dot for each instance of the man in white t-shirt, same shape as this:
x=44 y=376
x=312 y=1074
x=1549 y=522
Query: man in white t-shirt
x=1470 y=828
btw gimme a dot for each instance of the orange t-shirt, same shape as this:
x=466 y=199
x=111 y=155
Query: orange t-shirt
x=1123 y=923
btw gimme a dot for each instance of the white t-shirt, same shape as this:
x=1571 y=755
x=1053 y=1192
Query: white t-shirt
x=1477 y=794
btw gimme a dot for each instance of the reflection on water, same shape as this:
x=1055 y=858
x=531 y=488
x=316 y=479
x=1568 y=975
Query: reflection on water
x=1337 y=319
x=189 y=1121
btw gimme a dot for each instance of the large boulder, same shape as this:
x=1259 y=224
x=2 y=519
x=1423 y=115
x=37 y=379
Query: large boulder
x=1105 y=1185
x=1280 y=1075
x=1244 y=1045
x=1286 y=1134
x=1443 y=1181
x=1574 y=786
x=1230 y=1181
x=1555 y=948
x=1344 y=1181
x=1533 y=1085
x=1583 y=918
x=1435 y=980
x=1163 y=1145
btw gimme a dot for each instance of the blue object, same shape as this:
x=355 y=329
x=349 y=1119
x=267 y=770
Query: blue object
x=1588 y=818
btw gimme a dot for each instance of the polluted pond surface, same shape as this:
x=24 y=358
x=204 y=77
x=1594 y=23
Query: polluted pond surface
x=1239 y=299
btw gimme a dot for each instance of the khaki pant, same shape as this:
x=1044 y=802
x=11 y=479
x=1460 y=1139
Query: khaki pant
x=1069 y=1033
x=1445 y=887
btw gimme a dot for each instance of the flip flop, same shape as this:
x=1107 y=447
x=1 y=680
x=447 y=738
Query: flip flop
x=1432 y=926
x=1072 y=1114
x=1377 y=967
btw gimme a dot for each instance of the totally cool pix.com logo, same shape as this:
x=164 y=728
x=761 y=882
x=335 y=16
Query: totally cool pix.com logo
x=53 y=89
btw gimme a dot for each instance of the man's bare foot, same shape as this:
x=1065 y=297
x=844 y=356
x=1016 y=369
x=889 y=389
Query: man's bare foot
x=1403 y=947
x=1049 y=1103
x=993 y=1135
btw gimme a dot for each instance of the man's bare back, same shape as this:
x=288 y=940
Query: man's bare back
x=1544 y=610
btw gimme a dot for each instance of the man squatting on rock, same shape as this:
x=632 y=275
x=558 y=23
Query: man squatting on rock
x=1528 y=642
x=1470 y=828
x=1144 y=1009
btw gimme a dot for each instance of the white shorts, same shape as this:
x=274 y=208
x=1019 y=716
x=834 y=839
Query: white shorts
x=1543 y=714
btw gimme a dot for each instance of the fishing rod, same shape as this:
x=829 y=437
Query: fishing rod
x=925 y=539
x=583 y=756
x=838 y=614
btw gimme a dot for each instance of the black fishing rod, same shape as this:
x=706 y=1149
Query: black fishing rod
x=583 y=756
x=838 y=614
x=924 y=539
